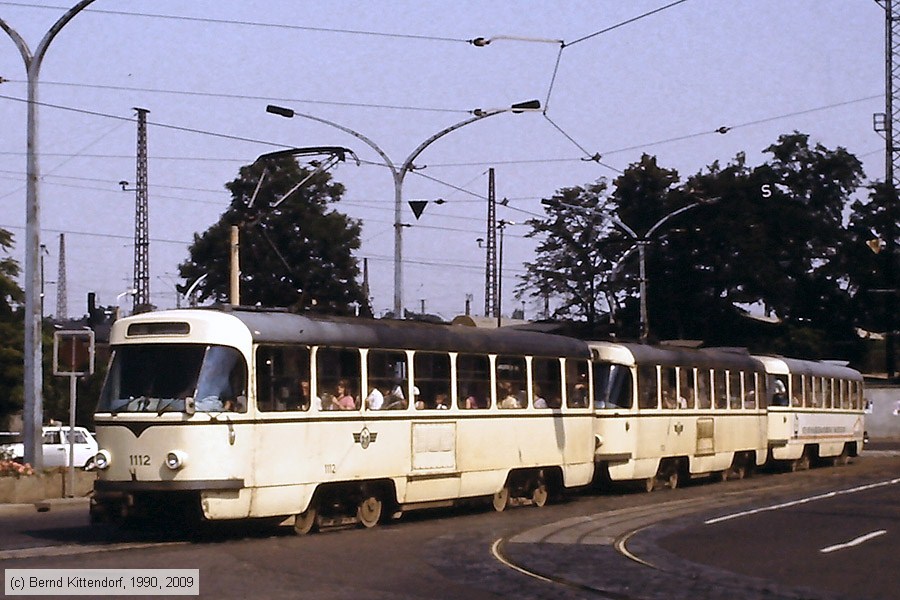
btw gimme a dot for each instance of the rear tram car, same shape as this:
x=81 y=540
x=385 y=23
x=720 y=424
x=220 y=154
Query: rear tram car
x=816 y=413
x=235 y=414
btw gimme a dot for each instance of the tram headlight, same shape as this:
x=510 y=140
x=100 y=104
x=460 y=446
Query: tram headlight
x=176 y=459
x=102 y=460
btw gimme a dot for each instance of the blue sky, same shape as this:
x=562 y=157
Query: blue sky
x=398 y=72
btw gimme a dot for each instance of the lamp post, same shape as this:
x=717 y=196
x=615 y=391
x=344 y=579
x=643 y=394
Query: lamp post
x=640 y=242
x=501 y=226
x=399 y=173
x=33 y=416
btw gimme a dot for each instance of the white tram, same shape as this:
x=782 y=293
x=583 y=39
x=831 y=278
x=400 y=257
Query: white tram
x=238 y=413
x=816 y=412
x=665 y=413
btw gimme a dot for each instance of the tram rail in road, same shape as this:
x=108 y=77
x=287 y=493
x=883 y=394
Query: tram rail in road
x=636 y=552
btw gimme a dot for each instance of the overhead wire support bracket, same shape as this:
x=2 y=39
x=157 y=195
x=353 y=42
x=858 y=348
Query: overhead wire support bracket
x=335 y=154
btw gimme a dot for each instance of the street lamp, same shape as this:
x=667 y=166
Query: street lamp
x=33 y=409
x=501 y=226
x=399 y=174
x=640 y=242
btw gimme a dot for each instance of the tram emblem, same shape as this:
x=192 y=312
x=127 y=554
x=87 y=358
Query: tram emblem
x=364 y=437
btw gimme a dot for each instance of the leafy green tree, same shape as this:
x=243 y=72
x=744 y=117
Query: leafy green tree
x=571 y=265
x=295 y=252
x=11 y=331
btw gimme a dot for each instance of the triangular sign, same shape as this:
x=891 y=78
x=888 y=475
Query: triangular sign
x=417 y=206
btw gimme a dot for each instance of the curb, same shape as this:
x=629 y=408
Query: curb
x=43 y=505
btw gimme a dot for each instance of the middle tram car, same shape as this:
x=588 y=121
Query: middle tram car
x=663 y=414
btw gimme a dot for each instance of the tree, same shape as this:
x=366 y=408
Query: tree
x=12 y=353
x=571 y=265
x=775 y=238
x=295 y=253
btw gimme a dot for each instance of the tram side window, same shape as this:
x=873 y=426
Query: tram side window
x=828 y=393
x=750 y=391
x=686 y=387
x=546 y=383
x=704 y=390
x=855 y=395
x=799 y=387
x=577 y=383
x=762 y=390
x=735 y=393
x=222 y=383
x=432 y=378
x=282 y=381
x=473 y=381
x=720 y=389
x=612 y=386
x=512 y=379
x=387 y=380
x=338 y=378
x=669 y=387
x=648 y=388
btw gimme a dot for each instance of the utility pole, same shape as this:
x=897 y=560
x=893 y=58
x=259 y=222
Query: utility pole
x=490 y=265
x=33 y=380
x=62 y=300
x=141 y=219
x=888 y=123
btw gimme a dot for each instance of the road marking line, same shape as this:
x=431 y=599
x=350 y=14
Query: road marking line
x=861 y=539
x=73 y=550
x=746 y=513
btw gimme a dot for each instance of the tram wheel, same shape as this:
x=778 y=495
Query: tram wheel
x=724 y=475
x=501 y=499
x=843 y=458
x=649 y=484
x=801 y=464
x=307 y=521
x=672 y=479
x=369 y=511
x=541 y=493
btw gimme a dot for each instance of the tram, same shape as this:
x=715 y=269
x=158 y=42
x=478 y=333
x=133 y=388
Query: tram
x=816 y=412
x=664 y=414
x=237 y=413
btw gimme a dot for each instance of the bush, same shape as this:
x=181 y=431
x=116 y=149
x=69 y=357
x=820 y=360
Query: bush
x=10 y=468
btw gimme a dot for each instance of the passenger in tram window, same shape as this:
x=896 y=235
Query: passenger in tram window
x=442 y=402
x=579 y=392
x=539 y=401
x=342 y=400
x=375 y=399
x=306 y=399
x=779 y=397
x=507 y=395
x=396 y=399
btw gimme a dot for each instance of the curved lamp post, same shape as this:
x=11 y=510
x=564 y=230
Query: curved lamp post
x=399 y=173
x=33 y=347
x=640 y=242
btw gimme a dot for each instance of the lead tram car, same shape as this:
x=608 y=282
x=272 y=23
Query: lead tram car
x=237 y=413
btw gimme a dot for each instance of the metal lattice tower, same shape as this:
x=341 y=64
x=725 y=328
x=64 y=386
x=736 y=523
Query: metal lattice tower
x=888 y=123
x=141 y=218
x=62 y=299
x=490 y=266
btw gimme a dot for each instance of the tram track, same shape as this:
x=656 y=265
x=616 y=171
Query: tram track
x=543 y=552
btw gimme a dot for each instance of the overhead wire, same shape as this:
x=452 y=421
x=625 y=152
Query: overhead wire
x=210 y=20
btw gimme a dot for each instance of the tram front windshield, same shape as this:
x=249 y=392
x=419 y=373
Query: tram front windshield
x=162 y=377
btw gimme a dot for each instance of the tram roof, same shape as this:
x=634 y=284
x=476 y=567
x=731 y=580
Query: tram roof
x=284 y=327
x=737 y=358
x=780 y=365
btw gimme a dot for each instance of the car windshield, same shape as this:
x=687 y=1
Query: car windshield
x=161 y=377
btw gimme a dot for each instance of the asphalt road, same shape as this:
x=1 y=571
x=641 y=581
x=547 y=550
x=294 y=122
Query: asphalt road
x=610 y=545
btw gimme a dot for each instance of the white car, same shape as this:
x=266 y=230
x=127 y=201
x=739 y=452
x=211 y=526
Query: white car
x=56 y=447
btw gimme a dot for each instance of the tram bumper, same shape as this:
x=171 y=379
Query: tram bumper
x=118 y=501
